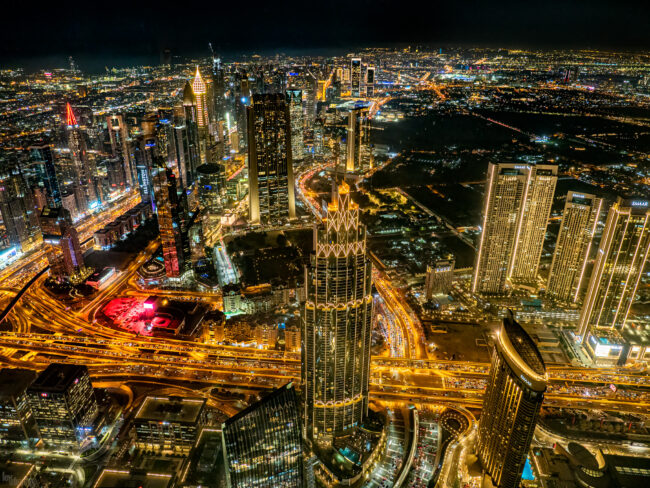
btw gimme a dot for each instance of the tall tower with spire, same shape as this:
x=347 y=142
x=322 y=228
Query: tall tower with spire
x=83 y=166
x=336 y=324
x=199 y=90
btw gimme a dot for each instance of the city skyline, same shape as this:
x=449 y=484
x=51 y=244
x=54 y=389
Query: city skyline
x=406 y=267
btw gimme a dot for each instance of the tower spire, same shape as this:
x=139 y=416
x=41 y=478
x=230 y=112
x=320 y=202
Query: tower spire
x=69 y=115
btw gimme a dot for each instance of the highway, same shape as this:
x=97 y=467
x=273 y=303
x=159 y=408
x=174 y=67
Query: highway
x=47 y=330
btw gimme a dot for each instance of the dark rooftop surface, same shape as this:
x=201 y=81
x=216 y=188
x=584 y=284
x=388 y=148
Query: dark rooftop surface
x=57 y=377
x=524 y=345
x=15 y=381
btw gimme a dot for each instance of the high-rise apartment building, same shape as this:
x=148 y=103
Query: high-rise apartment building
x=270 y=161
x=63 y=402
x=83 y=166
x=516 y=207
x=47 y=179
x=336 y=324
x=294 y=101
x=504 y=193
x=532 y=224
x=263 y=443
x=119 y=135
x=359 y=154
x=19 y=213
x=439 y=278
x=621 y=258
x=355 y=77
x=370 y=81
x=511 y=404
x=579 y=220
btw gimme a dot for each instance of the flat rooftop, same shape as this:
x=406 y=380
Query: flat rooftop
x=112 y=478
x=14 y=473
x=170 y=409
x=57 y=378
x=13 y=382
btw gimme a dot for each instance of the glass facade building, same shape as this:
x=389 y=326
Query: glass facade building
x=513 y=398
x=270 y=161
x=263 y=443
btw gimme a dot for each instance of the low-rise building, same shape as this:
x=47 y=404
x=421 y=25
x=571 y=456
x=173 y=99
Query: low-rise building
x=169 y=424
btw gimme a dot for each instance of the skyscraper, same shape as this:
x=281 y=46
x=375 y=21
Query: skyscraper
x=358 y=140
x=63 y=402
x=169 y=210
x=64 y=256
x=73 y=258
x=579 y=220
x=119 y=135
x=336 y=324
x=270 y=161
x=516 y=208
x=621 y=257
x=355 y=77
x=263 y=443
x=19 y=214
x=370 y=81
x=511 y=404
x=504 y=193
x=294 y=100
x=47 y=179
x=199 y=90
x=83 y=166
x=533 y=221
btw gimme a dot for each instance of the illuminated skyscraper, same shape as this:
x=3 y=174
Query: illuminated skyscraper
x=19 y=213
x=336 y=324
x=83 y=166
x=169 y=221
x=370 y=81
x=359 y=154
x=119 y=135
x=199 y=90
x=46 y=173
x=263 y=443
x=440 y=276
x=355 y=77
x=579 y=220
x=511 y=404
x=294 y=100
x=504 y=193
x=270 y=161
x=622 y=255
x=533 y=220
x=63 y=402
x=516 y=207
x=73 y=258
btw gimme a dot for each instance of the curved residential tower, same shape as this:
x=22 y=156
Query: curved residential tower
x=511 y=404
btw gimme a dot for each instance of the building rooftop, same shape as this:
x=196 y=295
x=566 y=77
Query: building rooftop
x=13 y=382
x=14 y=473
x=170 y=409
x=57 y=378
x=524 y=345
x=112 y=478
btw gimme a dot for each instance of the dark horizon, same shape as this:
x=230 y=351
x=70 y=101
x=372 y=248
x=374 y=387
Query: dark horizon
x=142 y=31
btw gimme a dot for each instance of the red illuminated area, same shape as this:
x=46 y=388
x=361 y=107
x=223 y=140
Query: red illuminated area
x=139 y=316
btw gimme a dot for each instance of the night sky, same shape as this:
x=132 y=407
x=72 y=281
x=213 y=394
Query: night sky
x=110 y=32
